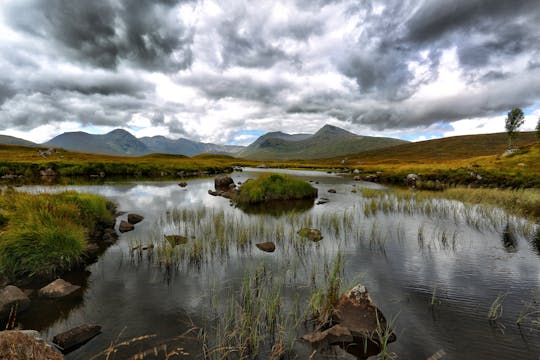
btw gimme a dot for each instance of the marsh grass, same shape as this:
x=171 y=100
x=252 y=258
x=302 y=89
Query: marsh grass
x=496 y=309
x=275 y=187
x=46 y=234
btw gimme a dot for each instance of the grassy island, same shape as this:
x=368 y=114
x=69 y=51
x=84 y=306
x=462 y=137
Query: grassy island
x=275 y=187
x=42 y=235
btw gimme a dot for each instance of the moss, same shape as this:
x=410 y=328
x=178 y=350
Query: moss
x=271 y=187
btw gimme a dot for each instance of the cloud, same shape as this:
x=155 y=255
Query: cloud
x=209 y=69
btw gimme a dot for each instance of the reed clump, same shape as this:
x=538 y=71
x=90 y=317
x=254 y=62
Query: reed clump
x=275 y=187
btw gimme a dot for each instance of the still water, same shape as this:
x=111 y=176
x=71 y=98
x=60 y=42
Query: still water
x=435 y=269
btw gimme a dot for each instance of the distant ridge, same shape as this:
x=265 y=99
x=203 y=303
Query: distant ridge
x=12 y=140
x=329 y=141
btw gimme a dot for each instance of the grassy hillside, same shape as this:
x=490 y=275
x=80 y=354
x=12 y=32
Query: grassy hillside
x=11 y=140
x=26 y=161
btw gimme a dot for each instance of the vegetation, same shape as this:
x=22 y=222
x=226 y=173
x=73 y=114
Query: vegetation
x=270 y=187
x=538 y=130
x=46 y=234
x=513 y=122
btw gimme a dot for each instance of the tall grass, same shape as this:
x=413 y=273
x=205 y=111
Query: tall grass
x=268 y=187
x=46 y=234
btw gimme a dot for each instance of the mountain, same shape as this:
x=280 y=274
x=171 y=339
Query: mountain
x=121 y=142
x=116 y=142
x=11 y=140
x=329 y=141
x=161 y=144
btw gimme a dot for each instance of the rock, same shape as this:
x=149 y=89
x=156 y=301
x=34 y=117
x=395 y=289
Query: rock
x=357 y=312
x=58 y=288
x=322 y=201
x=213 y=193
x=12 y=297
x=92 y=249
x=47 y=172
x=337 y=334
x=357 y=178
x=356 y=171
x=332 y=191
x=26 y=345
x=109 y=236
x=73 y=338
x=411 y=180
x=311 y=234
x=182 y=184
x=125 y=226
x=223 y=182
x=135 y=218
x=372 y=178
x=176 y=239
x=238 y=169
x=266 y=246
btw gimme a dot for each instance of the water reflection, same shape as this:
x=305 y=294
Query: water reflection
x=509 y=240
x=278 y=207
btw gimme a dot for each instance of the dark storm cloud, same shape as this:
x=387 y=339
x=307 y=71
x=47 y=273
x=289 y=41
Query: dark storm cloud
x=104 y=32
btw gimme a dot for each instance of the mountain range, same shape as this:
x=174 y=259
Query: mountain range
x=329 y=141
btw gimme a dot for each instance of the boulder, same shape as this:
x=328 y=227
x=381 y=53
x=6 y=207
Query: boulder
x=58 y=288
x=135 y=218
x=12 y=297
x=356 y=171
x=411 y=180
x=357 y=178
x=125 y=226
x=266 y=246
x=26 y=345
x=176 y=239
x=182 y=184
x=223 y=183
x=311 y=234
x=73 y=338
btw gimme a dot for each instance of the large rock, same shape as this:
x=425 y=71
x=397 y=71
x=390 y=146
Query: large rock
x=267 y=246
x=311 y=234
x=411 y=180
x=125 y=226
x=135 y=218
x=58 y=288
x=75 y=337
x=11 y=297
x=223 y=183
x=26 y=345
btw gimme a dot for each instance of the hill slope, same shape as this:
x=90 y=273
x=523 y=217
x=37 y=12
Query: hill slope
x=161 y=144
x=12 y=140
x=329 y=141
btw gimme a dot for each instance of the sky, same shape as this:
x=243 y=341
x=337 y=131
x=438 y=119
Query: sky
x=228 y=71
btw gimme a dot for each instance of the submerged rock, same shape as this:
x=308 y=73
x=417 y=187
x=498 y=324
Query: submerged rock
x=73 y=338
x=135 y=218
x=58 y=288
x=26 y=345
x=332 y=191
x=12 y=297
x=266 y=246
x=311 y=234
x=125 y=226
x=176 y=239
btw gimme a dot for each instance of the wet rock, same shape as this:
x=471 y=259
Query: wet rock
x=73 y=338
x=58 y=288
x=213 y=193
x=135 y=218
x=182 y=184
x=322 y=201
x=176 y=239
x=223 y=183
x=337 y=334
x=357 y=312
x=356 y=171
x=266 y=246
x=332 y=191
x=311 y=234
x=357 y=178
x=12 y=297
x=26 y=345
x=125 y=226
x=372 y=178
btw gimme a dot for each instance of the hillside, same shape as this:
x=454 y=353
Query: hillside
x=328 y=142
x=445 y=149
x=161 y=144
x=12 y=140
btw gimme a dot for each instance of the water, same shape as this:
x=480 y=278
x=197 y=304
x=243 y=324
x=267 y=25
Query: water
x=436 y=275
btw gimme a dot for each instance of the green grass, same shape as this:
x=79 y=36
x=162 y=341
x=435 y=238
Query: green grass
x=270 y=187
x=46 y=234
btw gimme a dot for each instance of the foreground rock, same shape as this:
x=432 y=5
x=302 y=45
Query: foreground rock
x=224 y=186
x=73 y=338
x=266 y=246
x=357 y=321
x=58 y=288
x=135 y=218
x=311 y=234
x=125 y=226
x=11 y=297
x=26 y=345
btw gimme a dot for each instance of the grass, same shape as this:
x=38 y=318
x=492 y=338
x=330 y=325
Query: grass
x=275 y=187
x=496 y=309
x=46 y=234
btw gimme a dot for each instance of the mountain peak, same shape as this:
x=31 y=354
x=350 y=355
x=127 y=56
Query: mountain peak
x=119 y=132
x=333 y=130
